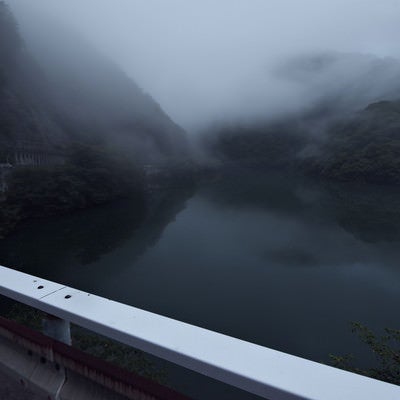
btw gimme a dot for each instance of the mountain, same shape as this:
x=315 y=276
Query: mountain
x=348 y=128
x=24 y=116
x=57 y=88
x=336 y=84
x=79 y=120
x=365 y=147
x=95 y=100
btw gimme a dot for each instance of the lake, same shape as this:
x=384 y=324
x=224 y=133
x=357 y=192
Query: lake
x=280 y=261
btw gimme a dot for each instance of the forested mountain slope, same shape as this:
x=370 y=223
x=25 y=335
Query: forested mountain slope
x=24 y=115
x=340 y=134
x=56 y=88
x=94 y=127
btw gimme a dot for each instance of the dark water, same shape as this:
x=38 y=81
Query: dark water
x=278 y=261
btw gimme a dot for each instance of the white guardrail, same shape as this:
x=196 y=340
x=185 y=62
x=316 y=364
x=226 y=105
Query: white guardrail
x=268 y=373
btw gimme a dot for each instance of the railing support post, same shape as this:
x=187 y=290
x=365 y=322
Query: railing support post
x=57 y=328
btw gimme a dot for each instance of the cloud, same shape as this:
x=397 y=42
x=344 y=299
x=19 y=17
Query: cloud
x=216 y=59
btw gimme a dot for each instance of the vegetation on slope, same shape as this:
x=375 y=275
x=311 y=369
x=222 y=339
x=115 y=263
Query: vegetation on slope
x=275 y=146
x=89 y=177
x=362 y=148
x=366 y=148
x=99 y=132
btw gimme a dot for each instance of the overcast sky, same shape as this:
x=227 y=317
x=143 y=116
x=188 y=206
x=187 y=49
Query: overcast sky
x=198 y=58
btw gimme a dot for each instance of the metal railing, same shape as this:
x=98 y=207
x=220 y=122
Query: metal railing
x=56 y=371
x=262 y=371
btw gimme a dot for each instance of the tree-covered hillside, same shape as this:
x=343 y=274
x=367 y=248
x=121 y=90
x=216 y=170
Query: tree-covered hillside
x=74 y=103
x=56 y=88
x=275 y=145
x=344 y=125
x=24 y=115
x=363 y=147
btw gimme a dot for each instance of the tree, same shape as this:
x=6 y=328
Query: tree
x=386 y=350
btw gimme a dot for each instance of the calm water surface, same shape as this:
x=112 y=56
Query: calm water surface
x=278 y=261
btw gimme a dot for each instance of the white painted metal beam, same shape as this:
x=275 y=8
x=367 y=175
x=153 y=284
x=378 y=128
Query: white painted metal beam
x=268 y=373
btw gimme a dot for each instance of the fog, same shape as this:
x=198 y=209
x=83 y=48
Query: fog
x=217 y=60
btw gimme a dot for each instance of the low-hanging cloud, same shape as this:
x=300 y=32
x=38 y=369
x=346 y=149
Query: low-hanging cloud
x=231 y=59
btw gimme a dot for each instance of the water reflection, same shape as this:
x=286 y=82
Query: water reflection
x=68 y=245
x=370 y=213
x=280 y=261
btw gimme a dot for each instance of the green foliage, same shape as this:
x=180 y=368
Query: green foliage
x=116 y=353
x=89 y=177
x=386 y=350
x=365 y=149
x=25 y=315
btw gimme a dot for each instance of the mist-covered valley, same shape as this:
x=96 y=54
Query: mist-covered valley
x=327 y=113
x=79 y=130
x=231 y=164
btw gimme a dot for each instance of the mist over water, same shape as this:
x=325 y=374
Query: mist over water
x=214 y=61
x=233 y=164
